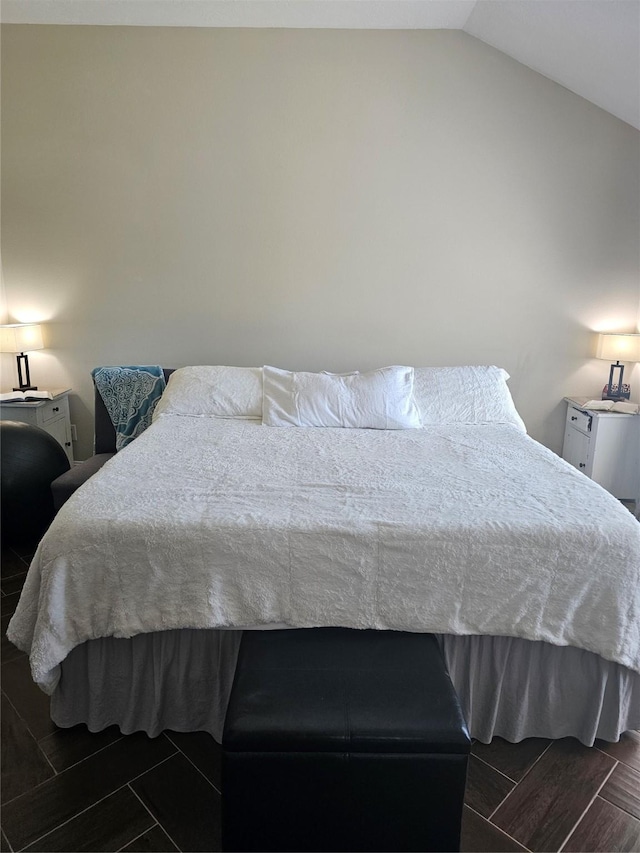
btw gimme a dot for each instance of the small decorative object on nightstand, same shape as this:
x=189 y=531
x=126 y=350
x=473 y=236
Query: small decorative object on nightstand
x=51 y=415
x=604 y=445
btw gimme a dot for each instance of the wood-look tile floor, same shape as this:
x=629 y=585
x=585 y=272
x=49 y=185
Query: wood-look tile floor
x=71 y=790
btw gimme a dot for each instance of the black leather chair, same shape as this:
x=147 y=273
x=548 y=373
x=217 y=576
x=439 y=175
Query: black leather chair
x=105 y=447
x=337 y=739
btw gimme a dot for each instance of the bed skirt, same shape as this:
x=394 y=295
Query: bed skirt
x=508 y=687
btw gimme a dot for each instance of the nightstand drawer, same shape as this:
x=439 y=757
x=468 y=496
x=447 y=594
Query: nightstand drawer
x=52 y=410
x=578 y=419
x=576 y=450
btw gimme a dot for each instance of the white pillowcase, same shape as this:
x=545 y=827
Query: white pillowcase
x=377 y=399
x=465 y=395
x=214 y=392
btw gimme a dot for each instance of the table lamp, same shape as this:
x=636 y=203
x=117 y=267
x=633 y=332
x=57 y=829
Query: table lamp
x=620 y=348
x=16 y=338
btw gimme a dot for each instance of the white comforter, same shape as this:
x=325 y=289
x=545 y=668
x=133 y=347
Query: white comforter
x=214 y=523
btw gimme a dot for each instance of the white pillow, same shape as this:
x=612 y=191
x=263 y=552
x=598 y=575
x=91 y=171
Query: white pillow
x=214 y=392
x=377 y=399
x=465 y=395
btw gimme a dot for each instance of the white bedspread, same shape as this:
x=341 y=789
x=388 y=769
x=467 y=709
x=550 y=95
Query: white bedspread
x=216 y=523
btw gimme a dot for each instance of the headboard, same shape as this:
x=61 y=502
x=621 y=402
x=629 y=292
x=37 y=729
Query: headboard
x=105 y=434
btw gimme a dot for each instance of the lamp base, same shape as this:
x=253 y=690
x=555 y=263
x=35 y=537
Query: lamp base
x=24 y=378
x=616 y=392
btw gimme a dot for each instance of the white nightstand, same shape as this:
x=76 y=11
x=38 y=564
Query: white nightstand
x=50 y=415
x=605 y=446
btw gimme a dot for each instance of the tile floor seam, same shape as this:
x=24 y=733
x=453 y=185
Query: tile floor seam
x=15 y=553
x=533 y=764
x=30 y=791
x=14 y=575
x=80 y=760
x=4 y=835
x=515 y=788
x=35 y=787
x=496 y=809
x=611 y=803
x=11 y=660
x=153 y=766
x=193 y=765
x=591 y=802
x=616 y=806
x=484 y=761
x=619 y=760
x=73 y=817
x=95 y=802
x=35 y=740
x=495 y=826
x=42 y=752
x=142 y=833
x=162 y=827
x=500 y=803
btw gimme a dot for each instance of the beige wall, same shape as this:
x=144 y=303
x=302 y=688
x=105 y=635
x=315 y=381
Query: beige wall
x=311 y=199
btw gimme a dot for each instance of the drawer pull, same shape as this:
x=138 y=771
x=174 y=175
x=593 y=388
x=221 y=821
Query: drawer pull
x=55 y=409
x=583 y=464
x=574 y=418
x=67 y=444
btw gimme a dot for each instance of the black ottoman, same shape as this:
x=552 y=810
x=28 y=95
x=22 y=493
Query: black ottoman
x=338 y=739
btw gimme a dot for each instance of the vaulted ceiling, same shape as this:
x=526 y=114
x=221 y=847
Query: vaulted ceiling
x=591 y=47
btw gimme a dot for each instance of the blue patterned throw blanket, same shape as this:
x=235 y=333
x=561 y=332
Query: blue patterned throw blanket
x=130 y=395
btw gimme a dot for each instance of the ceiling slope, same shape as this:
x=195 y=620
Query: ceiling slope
x=336 y=14
x=591 y=47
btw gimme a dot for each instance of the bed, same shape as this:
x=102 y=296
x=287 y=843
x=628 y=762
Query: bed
x=216 y=520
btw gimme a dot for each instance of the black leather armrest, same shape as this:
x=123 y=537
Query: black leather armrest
x=65 y=485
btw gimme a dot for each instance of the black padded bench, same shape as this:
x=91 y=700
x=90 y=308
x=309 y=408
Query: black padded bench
x=337 y=739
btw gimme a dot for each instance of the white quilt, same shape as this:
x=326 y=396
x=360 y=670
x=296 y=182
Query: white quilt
x=208 y=523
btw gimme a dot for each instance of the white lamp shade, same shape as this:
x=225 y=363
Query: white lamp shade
x=619 y=347
x=21 y=337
